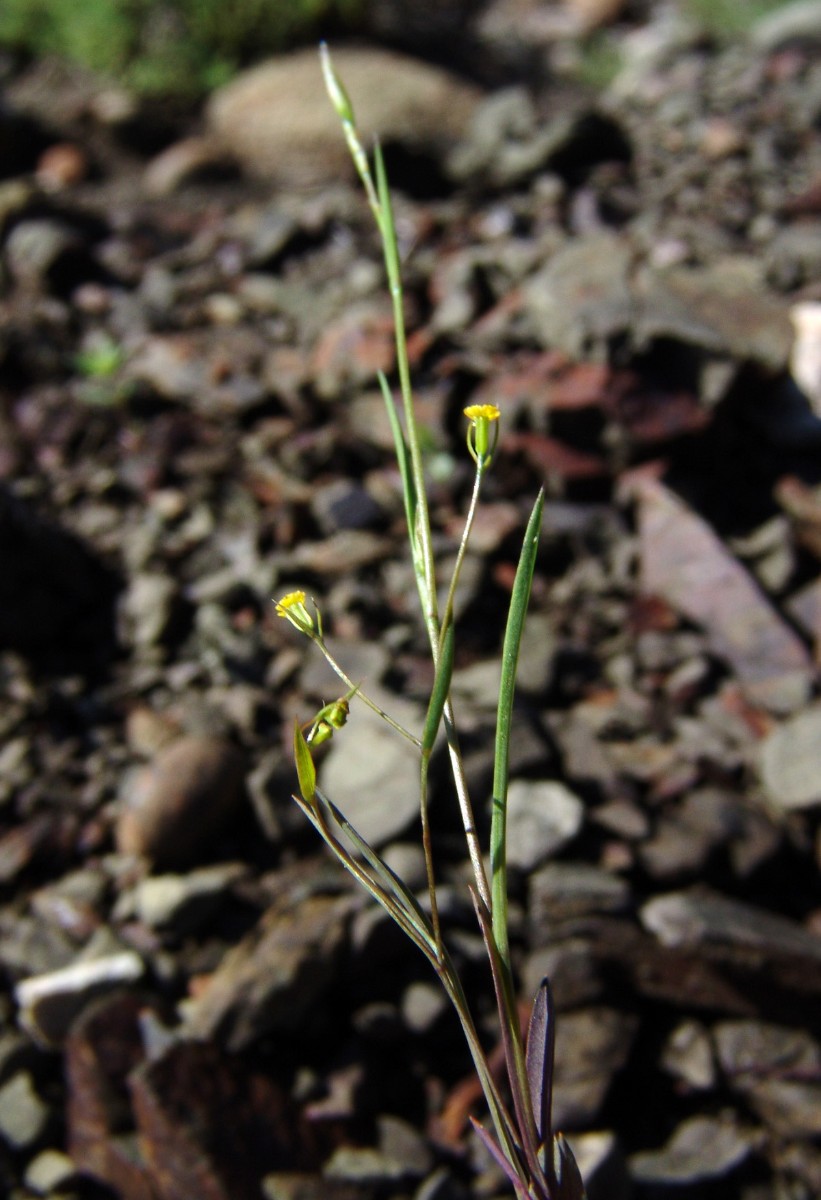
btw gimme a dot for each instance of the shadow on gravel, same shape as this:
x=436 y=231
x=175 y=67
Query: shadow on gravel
x=57 y=599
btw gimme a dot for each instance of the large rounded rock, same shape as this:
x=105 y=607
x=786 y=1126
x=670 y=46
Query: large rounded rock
x=277 y=120
x=175 y=807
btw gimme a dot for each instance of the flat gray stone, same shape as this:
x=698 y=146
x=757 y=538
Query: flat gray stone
x=592 y=1045
x=723 y=308
x=582 y=297
x=692 y=920
x=684 y=561
x=701 y=1148
x=371 y=772
x=777 y=1070
x=48 y=1171
x=688 y=1056
x=602 y=1165
x=788 y=761
x=49 y=1003
x=566 y=891
x=542 y=817
x=181 y=903
x=800 y=20
x=24 y=1116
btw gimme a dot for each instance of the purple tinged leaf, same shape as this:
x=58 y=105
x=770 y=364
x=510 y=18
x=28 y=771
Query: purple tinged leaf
x=516 y=1069
x=541 y=1036
x=498 y=1157
x=569 y=1182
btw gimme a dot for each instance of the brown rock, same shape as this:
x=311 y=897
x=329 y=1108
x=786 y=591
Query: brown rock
x=277 y=120
x=208 y=1127
x=274 y=980
x=591 y=14
x=104 y=1045
x=172 y=809
x=683 y=561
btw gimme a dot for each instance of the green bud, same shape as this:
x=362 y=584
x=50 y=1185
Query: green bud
x=333 y=85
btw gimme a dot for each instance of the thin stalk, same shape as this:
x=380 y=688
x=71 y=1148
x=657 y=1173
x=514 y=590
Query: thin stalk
x=457 y=765
x=514 y=1052
x=457 y=768
x=372 y=705
x=447 y=616
x=502 y=1120
x=439 y=959
x=514 y=628
x=422 y=533
x=427 y=849
x=379 y=199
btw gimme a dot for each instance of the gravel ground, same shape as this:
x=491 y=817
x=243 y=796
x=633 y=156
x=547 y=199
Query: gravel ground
x=194 y=1001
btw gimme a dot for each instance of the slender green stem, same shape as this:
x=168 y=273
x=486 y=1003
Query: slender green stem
x=465 y=807
x=439 y=959
x=427 y=848
x=504 y=723
x=371 y=704
x=447 y=616
x=516 y=1136
x=502 y=1120
x=422 y=533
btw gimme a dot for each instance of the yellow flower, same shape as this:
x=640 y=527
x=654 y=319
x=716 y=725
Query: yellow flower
x=481 y=416
x=475 y=412
x=292 y=608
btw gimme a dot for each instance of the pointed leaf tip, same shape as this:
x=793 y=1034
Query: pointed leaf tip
x=305 y=769
x=539 y=1060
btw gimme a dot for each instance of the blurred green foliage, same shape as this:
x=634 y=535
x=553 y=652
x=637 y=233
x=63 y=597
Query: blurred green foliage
x=725 y=18
x=177 y=47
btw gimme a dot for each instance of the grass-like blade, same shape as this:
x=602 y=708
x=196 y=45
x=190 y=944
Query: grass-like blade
x=504 y=717
x=413 y=925
x=439 y=695
x=389 y=880
x=305 y=769
x=514 y=1057
x=498 y=1157
x=387 y=227
x=403 y=461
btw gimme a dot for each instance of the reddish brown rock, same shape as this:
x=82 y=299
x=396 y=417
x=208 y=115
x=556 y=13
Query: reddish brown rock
x=208 y=1127
x=174 y=808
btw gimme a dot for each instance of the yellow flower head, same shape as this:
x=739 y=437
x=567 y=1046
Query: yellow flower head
x=292 y=608
x=481 y=416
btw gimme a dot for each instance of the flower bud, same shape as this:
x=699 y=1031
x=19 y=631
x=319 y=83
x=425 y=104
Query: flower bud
x=334 y=87
x=481 y=417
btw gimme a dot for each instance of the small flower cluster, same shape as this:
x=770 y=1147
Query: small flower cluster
x=292 y=608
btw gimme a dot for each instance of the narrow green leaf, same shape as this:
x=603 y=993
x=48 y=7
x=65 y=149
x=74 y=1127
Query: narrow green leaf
x=510 y=658
x=403 y=461
x=390 y=881
x=387 y=226
x=441 y=687
x=512 y=1044
x=498 y=1156
x=305 y=769
x=387 y=900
